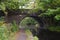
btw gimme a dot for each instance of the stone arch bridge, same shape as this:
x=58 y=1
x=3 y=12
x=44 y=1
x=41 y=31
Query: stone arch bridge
x=18 y=15
x=19 y=18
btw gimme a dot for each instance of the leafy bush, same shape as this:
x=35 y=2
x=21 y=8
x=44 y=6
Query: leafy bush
x=57 y=17
x=14 y=27
x=5 y=31
x=35 y=38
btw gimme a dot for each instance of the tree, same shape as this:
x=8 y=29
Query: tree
x=52 y=12
x=11 y=4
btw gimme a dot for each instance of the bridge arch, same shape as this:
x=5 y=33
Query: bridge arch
x=38 y=19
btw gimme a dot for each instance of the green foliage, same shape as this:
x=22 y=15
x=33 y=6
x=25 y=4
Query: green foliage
x=10 y=5
x=4 y=33
x=35 y=38
x=52 y=9
x=14 y=4
x=39 y=4
x=18 y=4
x=54 y=28
x=52 y=12
x=7 y=32
x=29 y=23
x=57 y=17
x=14 y=27
x=2 y=6
x=51 y=3
x=1 y=21
x=28 y=20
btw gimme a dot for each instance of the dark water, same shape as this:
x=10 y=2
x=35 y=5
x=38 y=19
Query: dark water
x=48 y=35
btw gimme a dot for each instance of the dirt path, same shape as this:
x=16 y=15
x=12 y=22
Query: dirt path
x=21 y=35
